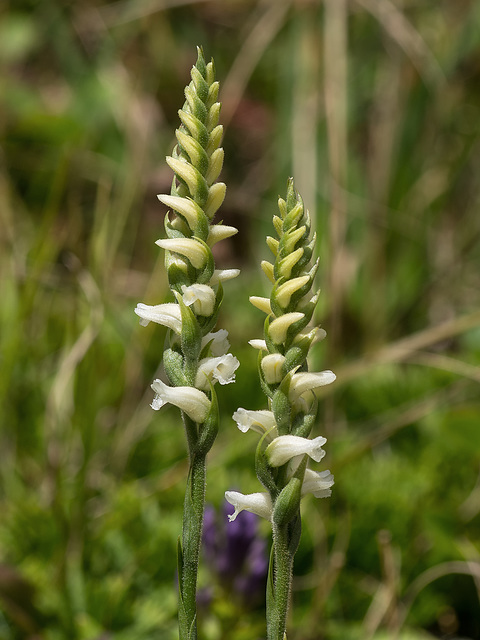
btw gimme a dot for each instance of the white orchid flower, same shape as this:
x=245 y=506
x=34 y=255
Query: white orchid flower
x=318 y=483
x=284 y=448
x=219 y=369
x=219 y=344
x=196 y=252
x=168 y=314
x=258 y=503
x=259 y=421
x=190 y=400
x=302 y=382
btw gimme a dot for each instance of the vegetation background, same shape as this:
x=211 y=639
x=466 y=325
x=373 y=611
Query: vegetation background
x=374 y=107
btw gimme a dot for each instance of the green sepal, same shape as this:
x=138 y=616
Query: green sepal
x=197 y=107
x=297 y=354
x=196 y=128
x=201 y=86
x=173 y=364
x=288 y=502
x=171 y=232
x=205 y=275
x=276 y=308
x=208 y=430
x=191 y=340
x=303 y=423
x=281 y=405
x=265 y=473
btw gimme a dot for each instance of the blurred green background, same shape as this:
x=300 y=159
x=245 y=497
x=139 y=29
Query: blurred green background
x=374 y=107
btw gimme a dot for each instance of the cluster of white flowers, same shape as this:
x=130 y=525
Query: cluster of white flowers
x=283 y=369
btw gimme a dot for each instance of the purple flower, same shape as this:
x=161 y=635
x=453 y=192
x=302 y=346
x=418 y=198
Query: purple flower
x=236 y=554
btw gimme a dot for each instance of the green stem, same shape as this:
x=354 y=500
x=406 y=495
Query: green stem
x=285 y=542
x=191 y=538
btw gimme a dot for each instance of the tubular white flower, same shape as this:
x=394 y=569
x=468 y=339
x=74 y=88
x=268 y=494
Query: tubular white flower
x=258 y=503
x=279 y=327
x=220 y=275
x=261 y=303
x=219 y=369
x=258 y=344
x=201 y=297
x=219 y=344
x=318 y=483
x=190 y=400
x=259 y=421
x=284 y=448
x=272 y=367
x=188 y=247
x=302 y=382
x=167 y=314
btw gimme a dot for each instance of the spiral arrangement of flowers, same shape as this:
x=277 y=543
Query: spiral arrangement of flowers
x=284 y=450
x=196 y=357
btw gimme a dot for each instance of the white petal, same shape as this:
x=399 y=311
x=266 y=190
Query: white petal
x=168 y=315
x=259 y=421
x=219 y=342
x=284 y=448
x=201 y=297
x=190 y=400
x=219 y=369
x=302 y=382
x=317 y=483
x=259 y=503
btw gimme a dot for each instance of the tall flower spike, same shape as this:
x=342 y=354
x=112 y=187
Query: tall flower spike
x=196 y=356
x=285 y=449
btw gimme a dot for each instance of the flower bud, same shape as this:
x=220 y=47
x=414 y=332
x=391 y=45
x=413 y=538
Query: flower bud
x=272 y=367
x=196 y=252
x=168 y=315
x=201 y=297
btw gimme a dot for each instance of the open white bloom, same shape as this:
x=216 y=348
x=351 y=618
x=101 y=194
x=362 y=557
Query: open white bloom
x=318 y=483
x=196 y=252
x=219 y=369
x=220 y=275
x=201 y=297
x=190 y=400
x=167 y=314
x=259 y=421
x=284 y=448
x=302 y=382
x=258 y=503
x=272 y=367
x=219 y=344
